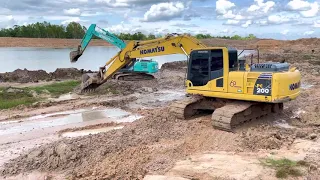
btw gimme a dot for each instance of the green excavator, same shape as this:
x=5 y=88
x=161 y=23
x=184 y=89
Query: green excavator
x=138 y=69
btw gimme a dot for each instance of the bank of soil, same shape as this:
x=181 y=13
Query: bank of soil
x=26 y=76
x=47 y=42
x=159 y=145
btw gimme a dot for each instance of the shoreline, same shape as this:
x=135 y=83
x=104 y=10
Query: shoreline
x=47 y=42
x=262 y=44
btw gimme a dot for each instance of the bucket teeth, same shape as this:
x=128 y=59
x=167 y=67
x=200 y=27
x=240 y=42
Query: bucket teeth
x=89 y=83
x=88 y=90
x=74 y=56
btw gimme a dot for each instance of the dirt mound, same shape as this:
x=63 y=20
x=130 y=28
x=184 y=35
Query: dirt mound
x=306 y=41
x=67 y=73
x=174 y=65
x=24 y=76
x=149 y=145
x=272 y=138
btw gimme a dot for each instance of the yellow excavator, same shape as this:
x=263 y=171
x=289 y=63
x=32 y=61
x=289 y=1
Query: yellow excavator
x=217 y=80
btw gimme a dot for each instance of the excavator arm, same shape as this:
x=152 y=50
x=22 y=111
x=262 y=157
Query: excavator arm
x=171 y=44
x=94 y=30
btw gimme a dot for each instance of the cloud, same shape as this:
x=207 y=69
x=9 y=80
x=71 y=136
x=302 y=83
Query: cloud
x=308 y=33
x=223 y=6
x=312 y=12
x=71 y=19
x=247 y=24
x=188 y=17
x=278 y=19
x=262 y=22
x=89 y=14
x=306 y=9
x=232 y=22
x=299 y=5
x=285 y=32
x=316 y=24
x=185 y=25
x=261 y=6
x=230 y=15
x=72 y=11
x=7 y=21
x=225 y=31
x=164 y=12
x=114 y=3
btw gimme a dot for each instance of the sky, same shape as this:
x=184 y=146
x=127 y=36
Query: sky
x=277 y=19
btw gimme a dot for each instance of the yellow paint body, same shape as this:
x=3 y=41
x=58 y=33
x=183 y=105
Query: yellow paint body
x=236 y=84
x=240 y=85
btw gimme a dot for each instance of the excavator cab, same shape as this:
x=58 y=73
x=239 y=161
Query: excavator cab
x=207 y=65
x=218 y=72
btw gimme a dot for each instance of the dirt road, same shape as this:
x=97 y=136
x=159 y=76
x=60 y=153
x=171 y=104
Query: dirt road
x=128 y=134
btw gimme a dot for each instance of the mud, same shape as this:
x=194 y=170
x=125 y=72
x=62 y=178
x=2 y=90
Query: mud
x=141 y=144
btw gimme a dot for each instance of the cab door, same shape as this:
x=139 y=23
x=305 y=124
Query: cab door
x=198 y=70
x=216 y=70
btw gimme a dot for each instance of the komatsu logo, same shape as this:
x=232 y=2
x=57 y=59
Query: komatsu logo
x=153 y=50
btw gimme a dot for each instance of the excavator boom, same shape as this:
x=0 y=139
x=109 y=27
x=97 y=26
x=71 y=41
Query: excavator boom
x=171 y=44
x=94 y=30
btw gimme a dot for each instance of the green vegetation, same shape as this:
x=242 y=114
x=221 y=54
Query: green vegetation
x=45 y=30
x=235 y=37
x=284 y=167
x=76 y=31
x=56 y=89
x=136 y=36
x=13 y=99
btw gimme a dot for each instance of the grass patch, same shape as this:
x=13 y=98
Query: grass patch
x=56 y=89
x=23 y=96
x=13 y=99
x=284 y=167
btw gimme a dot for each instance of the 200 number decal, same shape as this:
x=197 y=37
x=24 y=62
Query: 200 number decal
x=263 y=91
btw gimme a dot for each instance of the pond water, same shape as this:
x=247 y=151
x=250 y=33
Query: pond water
x=49 y=59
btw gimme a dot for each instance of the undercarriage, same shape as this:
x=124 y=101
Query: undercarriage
x=127 y=76
x=227 y=114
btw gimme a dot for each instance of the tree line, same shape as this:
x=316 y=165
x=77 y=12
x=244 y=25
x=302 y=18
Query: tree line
x=235 y=37
x=45 y=30
x=76 y=31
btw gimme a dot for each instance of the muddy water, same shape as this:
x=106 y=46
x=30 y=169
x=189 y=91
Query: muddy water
x=68 y=117
x=49 y=59
x=44 y=125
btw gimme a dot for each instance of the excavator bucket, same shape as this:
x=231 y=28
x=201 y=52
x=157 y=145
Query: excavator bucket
x=74 y=55
x=90 y=82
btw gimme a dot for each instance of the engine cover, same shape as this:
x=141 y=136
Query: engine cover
x=270 y=67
